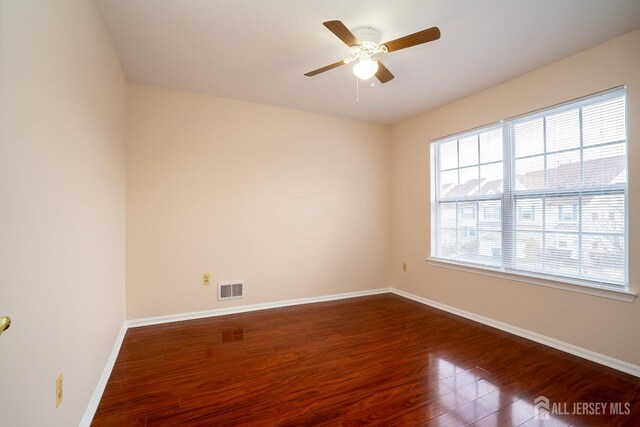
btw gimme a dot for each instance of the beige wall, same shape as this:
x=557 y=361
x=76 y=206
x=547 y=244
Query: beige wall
x=602 y=325
x=62 y=198
x=295 y=203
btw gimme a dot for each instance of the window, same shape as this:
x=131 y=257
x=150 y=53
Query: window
x=470 y=181
x=568 y=213
x=469 y=213
x=543 y=194
x=492 y=213
x=526 y=213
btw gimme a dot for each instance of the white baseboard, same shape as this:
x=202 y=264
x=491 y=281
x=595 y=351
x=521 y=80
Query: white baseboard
x=245 y=308
x=102 y=382
x=602 y=359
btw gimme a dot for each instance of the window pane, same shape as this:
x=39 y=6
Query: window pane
x=561 y=254
x=603 y=214
x=528 y=251
x=564 y=170
x=468 y=245
x=528 y=214
x=467 y=215
x=529 y=138
x=491 y=146
x=604 y=257
x=447 y=243
x=490 y=215
x=562 y=214
x=469 y=182
x=469 y=151
x=489 y=247
x=448 y=215
x=604 y=122
x=491 y=179
x=448 y=155
x=563 y=130
x=449 y=183
x=530 y=173
x=605 y=165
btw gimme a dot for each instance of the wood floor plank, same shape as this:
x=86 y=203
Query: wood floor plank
x=377 y=360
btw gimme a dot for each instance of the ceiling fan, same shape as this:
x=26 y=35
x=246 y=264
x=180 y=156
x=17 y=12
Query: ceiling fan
x=364 y=43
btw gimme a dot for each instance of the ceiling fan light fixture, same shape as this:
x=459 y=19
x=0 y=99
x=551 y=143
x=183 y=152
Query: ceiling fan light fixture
x=365 y=68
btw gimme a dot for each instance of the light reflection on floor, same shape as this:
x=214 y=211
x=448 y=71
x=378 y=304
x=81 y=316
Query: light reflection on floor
x=464 y=396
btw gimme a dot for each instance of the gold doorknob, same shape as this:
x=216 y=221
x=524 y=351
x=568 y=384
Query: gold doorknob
x=5 y=322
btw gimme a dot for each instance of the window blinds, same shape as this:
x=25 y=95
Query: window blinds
x=541 y=194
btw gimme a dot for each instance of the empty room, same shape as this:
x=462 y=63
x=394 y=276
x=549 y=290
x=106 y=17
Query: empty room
x=336 y=213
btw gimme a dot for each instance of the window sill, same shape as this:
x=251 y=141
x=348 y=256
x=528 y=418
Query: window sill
x=620 y=295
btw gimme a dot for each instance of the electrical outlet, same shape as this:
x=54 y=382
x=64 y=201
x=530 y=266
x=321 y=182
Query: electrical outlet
x=404 y=267
x=206 y=279
x=58 y=390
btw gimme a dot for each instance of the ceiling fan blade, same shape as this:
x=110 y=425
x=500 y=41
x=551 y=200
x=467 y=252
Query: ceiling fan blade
x=383 y=74
x=325 y=68
x=342 y=32
x=424 y=36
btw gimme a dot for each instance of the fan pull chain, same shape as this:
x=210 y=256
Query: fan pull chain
x=357 y=89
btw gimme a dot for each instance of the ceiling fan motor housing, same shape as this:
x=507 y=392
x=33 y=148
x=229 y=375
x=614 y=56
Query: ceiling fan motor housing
x=369 y=39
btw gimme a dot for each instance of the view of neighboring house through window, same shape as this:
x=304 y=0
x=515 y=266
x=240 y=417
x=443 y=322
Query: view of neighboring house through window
x=543 y=194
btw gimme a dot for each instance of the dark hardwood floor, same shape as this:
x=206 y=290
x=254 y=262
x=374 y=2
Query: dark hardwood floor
x=381 y=360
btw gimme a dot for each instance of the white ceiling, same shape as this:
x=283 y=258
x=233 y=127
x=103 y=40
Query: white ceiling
x=258 y=50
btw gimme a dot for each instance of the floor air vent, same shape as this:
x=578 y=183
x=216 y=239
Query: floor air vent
x=231 y=290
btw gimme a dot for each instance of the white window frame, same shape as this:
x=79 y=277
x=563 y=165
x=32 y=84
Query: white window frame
x=619 y=292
